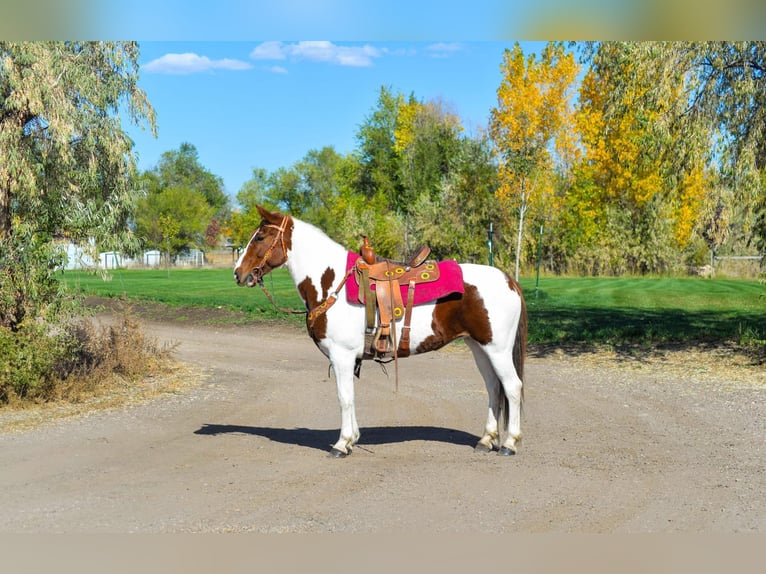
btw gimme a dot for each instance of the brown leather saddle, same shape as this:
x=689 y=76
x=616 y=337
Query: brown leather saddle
x=380 y=290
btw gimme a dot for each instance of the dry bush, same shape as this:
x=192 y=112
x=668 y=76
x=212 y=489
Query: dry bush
x=76 y=360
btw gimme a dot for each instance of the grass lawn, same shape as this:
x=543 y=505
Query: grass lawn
x=214 y=288
x=646 y=310
x=564 y=310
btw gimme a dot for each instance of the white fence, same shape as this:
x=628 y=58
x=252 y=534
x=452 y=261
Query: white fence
x=78 y=258
x=152 y=258
x=191 y=258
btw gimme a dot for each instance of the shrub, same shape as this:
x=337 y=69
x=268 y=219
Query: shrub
x=78 y=358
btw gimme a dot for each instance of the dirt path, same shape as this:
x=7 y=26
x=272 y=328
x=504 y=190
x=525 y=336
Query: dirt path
x=656 y=445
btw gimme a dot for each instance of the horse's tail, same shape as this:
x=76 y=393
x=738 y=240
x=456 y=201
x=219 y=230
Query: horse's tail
x=520 y=341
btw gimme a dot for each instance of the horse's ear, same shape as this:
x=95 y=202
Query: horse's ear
x=270 y=216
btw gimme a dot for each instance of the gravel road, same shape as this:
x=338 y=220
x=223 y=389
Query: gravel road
x=672 y=441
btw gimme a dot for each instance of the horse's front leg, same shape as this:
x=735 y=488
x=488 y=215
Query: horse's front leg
x=343 y=367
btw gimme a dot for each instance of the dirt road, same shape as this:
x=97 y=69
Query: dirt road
x=668 y=443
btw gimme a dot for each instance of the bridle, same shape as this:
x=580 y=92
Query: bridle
x=257 y=270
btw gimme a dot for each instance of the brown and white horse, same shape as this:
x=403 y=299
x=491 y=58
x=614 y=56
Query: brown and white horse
x=490 y=315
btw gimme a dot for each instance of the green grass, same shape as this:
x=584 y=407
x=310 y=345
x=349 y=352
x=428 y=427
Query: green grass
x=612 y=311
x=645 y=310
x=209 y=288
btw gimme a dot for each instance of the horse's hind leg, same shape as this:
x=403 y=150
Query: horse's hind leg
x=502 y=383
x=512 y=386
x=490 y=439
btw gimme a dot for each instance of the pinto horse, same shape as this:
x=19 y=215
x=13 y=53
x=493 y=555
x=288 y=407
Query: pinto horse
x=490 y=315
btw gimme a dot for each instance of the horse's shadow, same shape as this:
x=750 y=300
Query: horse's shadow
x=324 y=439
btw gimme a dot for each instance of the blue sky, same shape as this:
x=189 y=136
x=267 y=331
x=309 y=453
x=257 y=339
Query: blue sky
x=265 y=104
x=218 y=78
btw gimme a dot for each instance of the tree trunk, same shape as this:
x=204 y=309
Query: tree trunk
x=522 y=211
x=5 y=214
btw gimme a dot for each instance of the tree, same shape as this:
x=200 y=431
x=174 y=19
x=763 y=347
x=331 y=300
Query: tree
x=454 y=220
x=406 y=151
x=189 y=211
x=378 y=160
x=181 y=188
x=533 y=110
x=639 y=213
x=711 y=99
x=168 y=228
x=428 y=143
x=182 y=168
x=255 y=191
x=66 y=165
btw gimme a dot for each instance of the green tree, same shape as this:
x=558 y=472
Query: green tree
x=428 y=142
x=255 y=191
x=180 y=187
x=187 y=208
x=244 y=219
x=454 y=221
x=406 y=150
x=315 y=188
x=66 y=165
x=168 y=228
x=182 y=168
x=378 y=173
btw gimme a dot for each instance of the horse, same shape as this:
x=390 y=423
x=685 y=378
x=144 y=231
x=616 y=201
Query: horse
x=490 y=315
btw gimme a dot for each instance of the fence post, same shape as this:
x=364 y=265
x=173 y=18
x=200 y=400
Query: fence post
x=491 y=254
x=539 y=256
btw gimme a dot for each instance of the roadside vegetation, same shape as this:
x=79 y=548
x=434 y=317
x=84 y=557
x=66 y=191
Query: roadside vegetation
x=78 y=360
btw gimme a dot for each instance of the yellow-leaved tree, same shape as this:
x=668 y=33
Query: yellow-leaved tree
x=531 y=127
x=641 y=182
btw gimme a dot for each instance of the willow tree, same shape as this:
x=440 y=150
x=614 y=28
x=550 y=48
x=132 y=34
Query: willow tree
x=533 y=112
x=712 y=99
x=66 y=164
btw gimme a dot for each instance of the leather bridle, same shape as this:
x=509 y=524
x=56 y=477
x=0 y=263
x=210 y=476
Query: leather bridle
x=257 y=271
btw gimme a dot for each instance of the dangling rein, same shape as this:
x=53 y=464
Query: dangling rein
x=274 y=303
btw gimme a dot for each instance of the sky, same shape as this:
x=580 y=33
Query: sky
x=259 y=83
x=266 y=103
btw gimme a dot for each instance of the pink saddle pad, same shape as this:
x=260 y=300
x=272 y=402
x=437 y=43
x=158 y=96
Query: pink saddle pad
x=450 y=281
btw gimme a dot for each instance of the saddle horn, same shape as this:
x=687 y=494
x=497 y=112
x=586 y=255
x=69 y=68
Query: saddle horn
x=368 y=253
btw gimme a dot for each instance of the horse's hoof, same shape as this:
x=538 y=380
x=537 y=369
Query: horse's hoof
x=337 y=453
x=505 y=451
x=481 y=447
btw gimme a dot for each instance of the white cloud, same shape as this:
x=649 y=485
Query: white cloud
x=277 y=70
x=190 y=63
x=318 y=51
x=269 y=51
x=443 y=49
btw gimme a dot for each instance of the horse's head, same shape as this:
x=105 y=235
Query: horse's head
x=267 y=248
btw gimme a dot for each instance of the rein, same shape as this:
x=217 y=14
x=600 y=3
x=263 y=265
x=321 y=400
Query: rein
x=274 y=303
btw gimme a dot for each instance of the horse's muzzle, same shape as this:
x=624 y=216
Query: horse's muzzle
x=249 y=280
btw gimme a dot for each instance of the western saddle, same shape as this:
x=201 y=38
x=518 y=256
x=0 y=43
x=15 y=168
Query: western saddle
x=380 y=289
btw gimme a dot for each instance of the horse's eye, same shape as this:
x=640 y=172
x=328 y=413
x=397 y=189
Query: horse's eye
x=259 y=238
